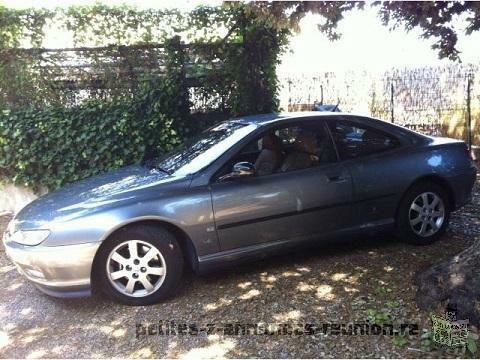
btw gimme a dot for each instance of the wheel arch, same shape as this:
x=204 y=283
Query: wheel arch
x=436 y=179
x=186 y=244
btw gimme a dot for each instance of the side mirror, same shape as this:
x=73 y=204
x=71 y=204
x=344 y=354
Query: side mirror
x=241 y=169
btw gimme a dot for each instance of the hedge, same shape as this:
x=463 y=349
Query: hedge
x=57 y=145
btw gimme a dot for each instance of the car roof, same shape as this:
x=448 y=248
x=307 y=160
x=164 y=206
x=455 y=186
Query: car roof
x=263 y=119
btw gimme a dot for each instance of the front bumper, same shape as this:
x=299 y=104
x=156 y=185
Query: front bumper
x=61 y=271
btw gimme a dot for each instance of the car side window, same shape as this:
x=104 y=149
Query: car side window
x=354 y=140
x=286 y=148
x=290 y=148
x=288 y=135
x=253 y=147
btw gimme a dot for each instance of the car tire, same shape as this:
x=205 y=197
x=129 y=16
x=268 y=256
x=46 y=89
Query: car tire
x=139 y=255
x=423 y=214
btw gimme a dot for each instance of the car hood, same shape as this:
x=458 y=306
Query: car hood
x=97 y=193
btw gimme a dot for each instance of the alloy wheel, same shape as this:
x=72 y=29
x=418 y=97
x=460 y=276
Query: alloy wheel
x=136 y=268
x=427 y=214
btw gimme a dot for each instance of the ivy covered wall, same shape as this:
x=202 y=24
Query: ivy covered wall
x=134 y=84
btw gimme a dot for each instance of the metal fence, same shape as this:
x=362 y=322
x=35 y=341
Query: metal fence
x=443 y=100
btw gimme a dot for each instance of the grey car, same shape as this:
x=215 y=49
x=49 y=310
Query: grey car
x=240 y=190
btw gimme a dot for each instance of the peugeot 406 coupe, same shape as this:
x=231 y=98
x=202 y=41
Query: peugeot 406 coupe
x=240 y=190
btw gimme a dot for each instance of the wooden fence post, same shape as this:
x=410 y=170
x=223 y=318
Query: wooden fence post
x=391 y=103
x=469 y=113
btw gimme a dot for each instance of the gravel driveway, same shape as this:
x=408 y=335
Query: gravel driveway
x=347 y=281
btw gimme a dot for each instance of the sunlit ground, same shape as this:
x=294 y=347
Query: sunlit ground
x=343 y=281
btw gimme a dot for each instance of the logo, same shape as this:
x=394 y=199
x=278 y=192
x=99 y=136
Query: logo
x=448 y=330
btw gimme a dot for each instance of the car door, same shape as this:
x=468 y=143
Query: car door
x=283 y=205
x=373 y=158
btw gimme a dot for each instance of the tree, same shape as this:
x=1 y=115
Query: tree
x=437 y=19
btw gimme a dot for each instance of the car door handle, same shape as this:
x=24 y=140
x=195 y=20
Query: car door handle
x=335 y=178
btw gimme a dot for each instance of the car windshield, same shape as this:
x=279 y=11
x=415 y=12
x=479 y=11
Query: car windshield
x=203 y=149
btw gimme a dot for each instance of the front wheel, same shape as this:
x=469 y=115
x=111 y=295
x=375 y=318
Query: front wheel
x=140 y=265
x=423 y=214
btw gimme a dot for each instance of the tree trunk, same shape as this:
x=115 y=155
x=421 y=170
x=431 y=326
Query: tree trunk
x=455 y=282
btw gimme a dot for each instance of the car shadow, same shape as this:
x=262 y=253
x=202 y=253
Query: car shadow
x=303 y=253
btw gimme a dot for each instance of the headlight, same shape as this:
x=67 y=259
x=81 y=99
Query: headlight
x=10 y=228
x=29 y=237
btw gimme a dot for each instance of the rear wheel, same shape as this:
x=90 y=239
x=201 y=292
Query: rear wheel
x=423 y=214
x=140 y=265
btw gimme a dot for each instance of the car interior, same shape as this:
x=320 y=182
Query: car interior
x=285 y=148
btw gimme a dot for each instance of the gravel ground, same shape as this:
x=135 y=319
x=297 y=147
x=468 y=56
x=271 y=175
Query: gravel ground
x=337 y=283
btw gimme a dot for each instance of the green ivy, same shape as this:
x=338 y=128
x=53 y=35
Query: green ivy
x=48 y=140
x=237 y=66
x=54 y=146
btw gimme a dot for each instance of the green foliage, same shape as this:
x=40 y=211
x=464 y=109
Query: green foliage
x=382 y=290
x=400 y=341
x=435 y=19
x=17 y=25
x=392 y=304
x=472 y=343
x=427 y=343
x=254 y=64
x=53 y=146
x=169 y=93
x=235 y=70
x=376 y=316
x=383 y=310
x=135 y=91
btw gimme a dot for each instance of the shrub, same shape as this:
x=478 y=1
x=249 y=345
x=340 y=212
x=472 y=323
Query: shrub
x=57 y=145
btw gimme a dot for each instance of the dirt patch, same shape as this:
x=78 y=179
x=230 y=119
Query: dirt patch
x=350 y=280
